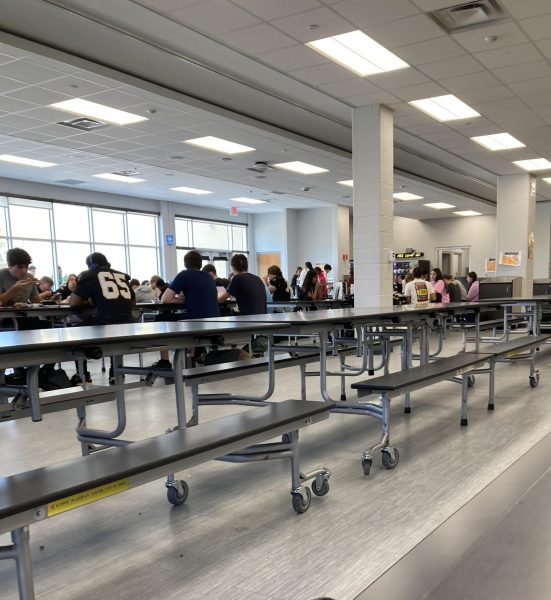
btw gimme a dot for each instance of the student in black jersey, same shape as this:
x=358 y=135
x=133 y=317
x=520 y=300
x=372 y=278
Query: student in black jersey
x=248 y=289
x=109 y=291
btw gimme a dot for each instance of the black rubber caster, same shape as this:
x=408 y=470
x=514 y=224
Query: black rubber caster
x=320 y=491
x=390 y=457
x=175 y=497
x=301 y=505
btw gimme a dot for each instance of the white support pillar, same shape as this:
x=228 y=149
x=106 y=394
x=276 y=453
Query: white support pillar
x=373 y=164
x=169 y=266
x=516 y=207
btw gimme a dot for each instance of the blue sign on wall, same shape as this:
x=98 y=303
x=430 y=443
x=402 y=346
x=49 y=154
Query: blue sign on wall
x=170 y=239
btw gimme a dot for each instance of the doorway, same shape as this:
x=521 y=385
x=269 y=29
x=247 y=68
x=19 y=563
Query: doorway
x=265 y=260
x=453 y=260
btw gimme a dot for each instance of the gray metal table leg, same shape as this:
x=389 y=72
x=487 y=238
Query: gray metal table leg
x=20 y=538
x=464 y=396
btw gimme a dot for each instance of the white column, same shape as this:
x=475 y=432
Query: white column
x=516 y=206
x=169 y=268
x=542 y=246
x=373 y=163
x=340 y=242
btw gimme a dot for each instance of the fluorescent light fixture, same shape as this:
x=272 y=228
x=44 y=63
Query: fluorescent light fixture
x=29 y=162
x=498 y=141
x=248 y=200
x=534 y=164
x=301 y=167
x=188 y=190
x=347 y=182
x=445 y=108
x=115 y=177
x=406 y=196
x=219 y=145
x=547 y=180
x=85 y=108
x=467 y=213
x=358 y=53
x=439 y=205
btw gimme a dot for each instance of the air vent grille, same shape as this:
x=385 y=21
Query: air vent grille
x=469 y=15
x=83 y=124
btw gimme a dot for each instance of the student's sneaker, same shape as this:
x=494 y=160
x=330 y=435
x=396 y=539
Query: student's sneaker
x=76 y=380
x=87 y=377
x=112 y=376
x=162 y=364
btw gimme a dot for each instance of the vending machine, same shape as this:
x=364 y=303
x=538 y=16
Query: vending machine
x=406 y=261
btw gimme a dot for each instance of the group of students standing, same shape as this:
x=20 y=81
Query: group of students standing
x=310 y=283
x=419 y=289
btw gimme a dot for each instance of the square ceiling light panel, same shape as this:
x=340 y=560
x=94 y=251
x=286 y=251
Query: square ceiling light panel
x=439 y=205
x=189 y=190
x=498 y=141
x=467 y=213
x=445 y=108
x=406 y=196
x=358 y=53
x=28 y=162
x=248 y=200
x=296 y=166
x=347 y=182
x=85 y=108
x=121 y=178
x=534 y=164
x=219 y=145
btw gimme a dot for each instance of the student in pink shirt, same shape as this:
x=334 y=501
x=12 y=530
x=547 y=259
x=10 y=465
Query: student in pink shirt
x=439 y=286
x=474 y=287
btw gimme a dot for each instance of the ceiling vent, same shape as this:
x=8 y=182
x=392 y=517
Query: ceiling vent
x=70 y=181
x=470 y=15
x=128 y=173
x=260 y=167
x=277 y=193
x=83 y=124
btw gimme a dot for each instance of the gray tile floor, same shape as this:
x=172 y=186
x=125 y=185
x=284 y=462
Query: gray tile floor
x=237 y=536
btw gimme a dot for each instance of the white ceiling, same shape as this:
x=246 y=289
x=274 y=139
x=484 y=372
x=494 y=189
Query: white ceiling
x=508 y=82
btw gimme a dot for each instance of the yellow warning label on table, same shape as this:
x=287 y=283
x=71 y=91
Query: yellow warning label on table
x=87 y=497
x=511 y=354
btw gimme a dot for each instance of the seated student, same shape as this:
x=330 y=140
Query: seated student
x=196 y=290
x=418 y=291
x=218 y=281
x=67 y=288
x=109 y=291
x=278 y=286
x=474 y=287
x=439 y=287
x=462 y=289
x=153 y=283
x=453 y=289
x=248 y=289
x=44 y=286
x=322 y=282
x=311 y=288
x=143 y=293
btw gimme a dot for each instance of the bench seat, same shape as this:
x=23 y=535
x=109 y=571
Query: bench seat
x=513 y=346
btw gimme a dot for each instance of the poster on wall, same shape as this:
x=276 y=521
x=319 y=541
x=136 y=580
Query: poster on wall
x=530 y=245
x=510 y=259
x=490 y=265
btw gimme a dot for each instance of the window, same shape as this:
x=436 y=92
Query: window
x=30 y=222
x=71 y=223
x=108 y=226
x=210 y=235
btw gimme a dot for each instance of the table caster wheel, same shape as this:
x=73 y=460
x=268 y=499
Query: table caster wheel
x=366 y=465
x=320 y=489
x=390 y=457
x=470 y=380
x=175 y=496
x=534 y=380
x=301 y=504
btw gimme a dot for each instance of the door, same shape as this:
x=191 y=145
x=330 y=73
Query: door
x=265 y=260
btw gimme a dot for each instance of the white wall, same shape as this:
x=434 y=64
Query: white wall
x=542 y=240
x=269 y=235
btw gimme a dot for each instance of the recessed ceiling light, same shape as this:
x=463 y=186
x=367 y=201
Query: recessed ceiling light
x=248 y=200
x=218 y=145
x=358 y=53
x=406 y=196
x=534 y=164
x=115 y=177
x=348 y=182
x=439 y=205
x=498 y=141
x=467 y=213
x=301 y=167
x=188 y=190
x=547 y=180
x=30 y=162
x=445 y=108
x=85 y=108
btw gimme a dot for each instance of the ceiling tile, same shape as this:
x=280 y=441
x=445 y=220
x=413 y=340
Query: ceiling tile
x=504 y=57
x=214 y=16
x=20 y=122
x=268 y=9
x=424 y=90
x=38 y=95
x=320 y=74
x=295 y=57
x=507 y=34
x=452 y=67
x=8 y=85
x=523 y=72
x=538 y=28
x=486 y=94
x=398 y=79
x=114 y=99
x=375 y=98
x=429 y=5
x=14 y=106
x=539 y=99
x=328 y=23
x=545 y=47
x=472 y=81
x=532 y=86
x=74 y=86
x=405 y=31
x=168 y=5
x=368 y=14
x=27 y=72
x=350 y=87
x=425 y=52
x=257 y=38
x=527 y=8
